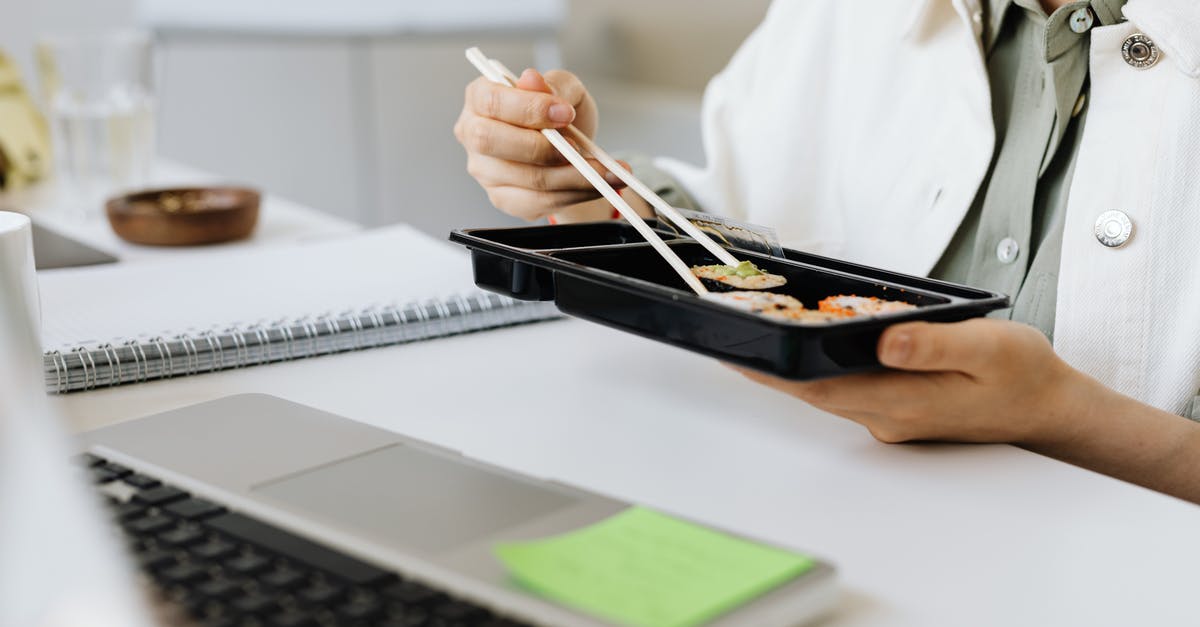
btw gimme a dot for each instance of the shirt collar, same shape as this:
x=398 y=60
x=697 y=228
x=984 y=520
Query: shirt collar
x=924 y=12
x=1171 y=23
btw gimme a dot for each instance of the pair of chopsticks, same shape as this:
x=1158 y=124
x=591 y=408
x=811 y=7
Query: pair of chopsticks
x=496 y=72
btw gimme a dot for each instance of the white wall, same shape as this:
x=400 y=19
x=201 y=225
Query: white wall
x=362 y=127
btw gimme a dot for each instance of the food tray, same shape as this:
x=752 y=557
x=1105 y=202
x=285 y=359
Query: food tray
x=606 y=273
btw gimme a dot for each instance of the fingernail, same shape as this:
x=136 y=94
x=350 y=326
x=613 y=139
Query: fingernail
x=561 y=113
x=612 y=179
x=898 y=349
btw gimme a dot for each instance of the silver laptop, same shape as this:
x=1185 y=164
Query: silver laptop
x=315 y=490
x=252 y=506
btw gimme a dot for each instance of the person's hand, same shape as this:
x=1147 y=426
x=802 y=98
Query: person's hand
x=523 y=174
x=982 y=380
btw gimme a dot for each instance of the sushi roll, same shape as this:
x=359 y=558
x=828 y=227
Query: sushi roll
x=773 y=306
x=744 y=276
x=850 y=306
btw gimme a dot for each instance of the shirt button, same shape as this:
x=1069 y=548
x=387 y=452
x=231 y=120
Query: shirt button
x=1007 y=250
x=1081 y=20
x=1139 y=51
x=1113 y=228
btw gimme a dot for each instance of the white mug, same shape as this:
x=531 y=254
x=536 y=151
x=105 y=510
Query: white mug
x=18 y=282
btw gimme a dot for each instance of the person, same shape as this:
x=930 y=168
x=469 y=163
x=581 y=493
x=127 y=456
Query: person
x=1047 y=150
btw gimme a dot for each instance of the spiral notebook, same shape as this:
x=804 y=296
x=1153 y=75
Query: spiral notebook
x=126 y=323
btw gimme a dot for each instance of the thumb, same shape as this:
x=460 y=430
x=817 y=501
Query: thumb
x=532 y=80
x=958 y=346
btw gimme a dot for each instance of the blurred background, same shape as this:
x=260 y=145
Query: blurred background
x=348 y=106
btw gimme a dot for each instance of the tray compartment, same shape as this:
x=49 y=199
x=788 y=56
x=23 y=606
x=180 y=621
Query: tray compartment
x=521 y=276
x=808 y=283
x=583 y=234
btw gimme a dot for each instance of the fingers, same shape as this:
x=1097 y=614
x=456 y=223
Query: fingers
x=970 y=346
x=897 y=393
x=532 y=80
x=567 y=86
x=533 y=205
x=519 y=107
x=497 y=139
x=493 y=172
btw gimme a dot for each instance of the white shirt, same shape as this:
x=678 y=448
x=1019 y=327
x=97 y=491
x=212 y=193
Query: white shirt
x=863 y=130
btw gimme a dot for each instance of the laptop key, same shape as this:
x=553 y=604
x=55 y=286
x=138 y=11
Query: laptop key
x=140 y=481
x=116 y=470
x=183 y=535
x=101 y=475
x=184 y=573
x=292 y=618
x=401 y=615
x=248 y=563
x=149 y=524
x=256 y=603
x=322 y=593
x=194 y=508
x=284 y=578
x=361 y=608
x=297 y=548
x=213 y=549
x=221 y=587
x=153 y=559
x=159 y=496
x=128 y=510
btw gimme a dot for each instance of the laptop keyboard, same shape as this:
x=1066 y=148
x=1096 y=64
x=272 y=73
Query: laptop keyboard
x=227 y=569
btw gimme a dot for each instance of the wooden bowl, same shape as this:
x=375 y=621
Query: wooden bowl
x=185 y=216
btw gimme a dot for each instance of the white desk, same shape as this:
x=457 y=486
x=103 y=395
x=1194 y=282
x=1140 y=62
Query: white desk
x=279 y=221
x=923 y=535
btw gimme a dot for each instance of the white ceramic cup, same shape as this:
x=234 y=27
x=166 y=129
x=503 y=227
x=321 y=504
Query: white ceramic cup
x=18 y=279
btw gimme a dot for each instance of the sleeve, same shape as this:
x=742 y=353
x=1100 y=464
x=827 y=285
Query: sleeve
x=660 y=181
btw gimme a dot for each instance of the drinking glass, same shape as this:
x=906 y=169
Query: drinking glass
x=99 y=95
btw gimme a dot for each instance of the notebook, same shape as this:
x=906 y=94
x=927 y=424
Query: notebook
x=125 y=323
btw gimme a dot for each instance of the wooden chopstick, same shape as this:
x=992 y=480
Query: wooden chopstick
x=485 y=67
x=637 y=185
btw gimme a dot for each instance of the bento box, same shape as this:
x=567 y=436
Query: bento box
x=606 y=273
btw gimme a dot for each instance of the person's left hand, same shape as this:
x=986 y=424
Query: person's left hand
x=982 y=380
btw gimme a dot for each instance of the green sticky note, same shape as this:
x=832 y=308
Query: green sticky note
x=646 y=569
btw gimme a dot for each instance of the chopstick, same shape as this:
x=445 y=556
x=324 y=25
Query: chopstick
x=485 y=67
x=636 y=184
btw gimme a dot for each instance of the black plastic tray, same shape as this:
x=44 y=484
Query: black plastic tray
x=606 y=273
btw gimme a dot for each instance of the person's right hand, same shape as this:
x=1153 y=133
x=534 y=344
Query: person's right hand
x=521 y=171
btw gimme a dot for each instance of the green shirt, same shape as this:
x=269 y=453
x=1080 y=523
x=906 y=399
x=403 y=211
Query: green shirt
x=1010 y=240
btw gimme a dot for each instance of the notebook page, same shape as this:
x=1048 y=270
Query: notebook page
x=119 y=302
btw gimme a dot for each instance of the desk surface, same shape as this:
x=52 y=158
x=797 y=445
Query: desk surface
x=923 y=535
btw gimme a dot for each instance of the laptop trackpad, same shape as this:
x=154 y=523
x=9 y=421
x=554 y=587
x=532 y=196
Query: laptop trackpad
x=406 y=497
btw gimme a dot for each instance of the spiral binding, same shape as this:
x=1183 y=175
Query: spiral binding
x=134 y=360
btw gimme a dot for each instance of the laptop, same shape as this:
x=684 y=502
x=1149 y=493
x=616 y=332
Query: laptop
x=253 y=510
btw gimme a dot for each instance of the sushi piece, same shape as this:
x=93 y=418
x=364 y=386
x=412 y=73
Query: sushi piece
x=850 y=306
x=773 y=306
x=744 y=276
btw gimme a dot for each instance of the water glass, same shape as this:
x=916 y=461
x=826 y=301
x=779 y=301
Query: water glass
x=99 y=95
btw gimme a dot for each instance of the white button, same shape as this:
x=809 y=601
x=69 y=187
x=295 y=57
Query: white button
x=1113 y=228
x=1081 y=20
x=1007 y=250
